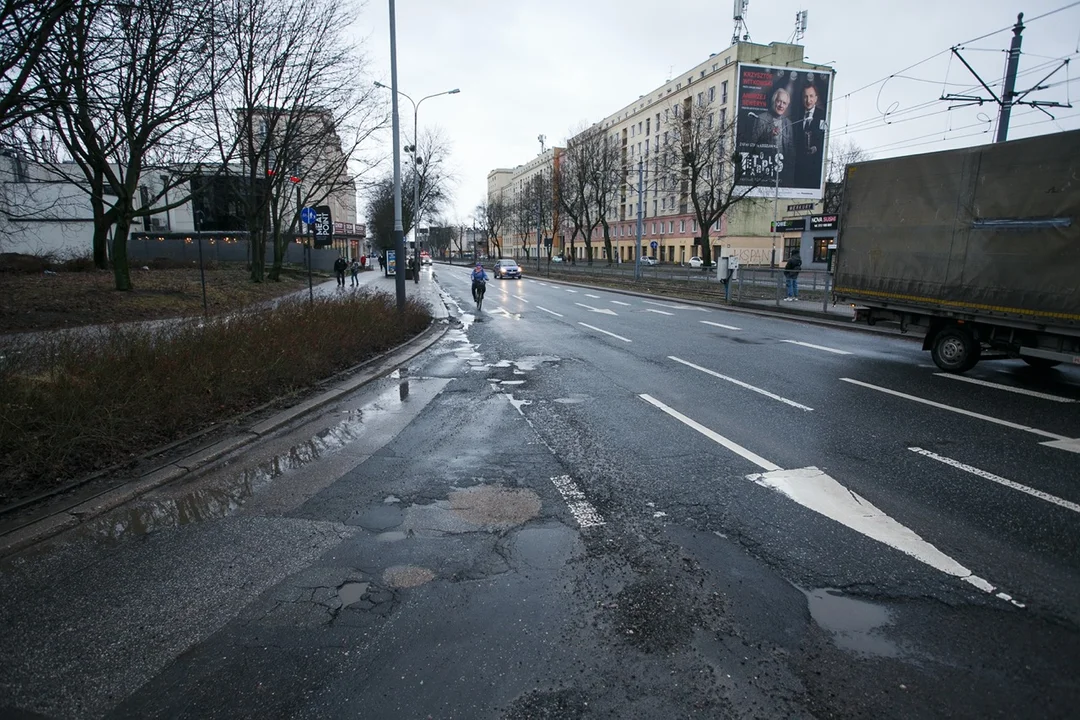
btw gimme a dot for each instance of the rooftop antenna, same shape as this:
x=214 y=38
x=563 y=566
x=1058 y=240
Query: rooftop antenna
x=739 y=15
x=541 y=138
x=800 y=26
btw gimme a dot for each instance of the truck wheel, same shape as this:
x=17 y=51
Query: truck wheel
x=955 y=350
x=1040 y=363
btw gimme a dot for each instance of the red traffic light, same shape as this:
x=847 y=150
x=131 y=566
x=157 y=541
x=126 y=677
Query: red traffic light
x=271 y=173
x=294 y=179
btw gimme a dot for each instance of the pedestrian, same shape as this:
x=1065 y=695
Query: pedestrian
x=340 y=265
x=354 y=268
x=363 y=262
x=382 y=263
x=791 y=274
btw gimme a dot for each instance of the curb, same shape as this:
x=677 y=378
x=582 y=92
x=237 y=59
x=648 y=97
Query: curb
x=35 y=531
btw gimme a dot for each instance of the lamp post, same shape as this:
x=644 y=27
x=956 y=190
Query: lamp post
x=417 y=160
x=398 y=234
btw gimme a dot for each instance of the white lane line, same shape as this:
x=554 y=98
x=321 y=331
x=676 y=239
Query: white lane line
x=715 y=437
x=931 y=403
x=580 y=507
x=814 y=490
x=602 y=311
x=595 y=297
x=521 y=299
x=569 y=290
x=549 y=311
x=620 y=302
x=742 y=384
x=999 y=480
x=1007 y=388
x=658 y=312
x=817 y=347
x=676 y=306
x=617 y=337
x=720 y=325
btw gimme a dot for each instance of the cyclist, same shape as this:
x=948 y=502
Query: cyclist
x=479 y=278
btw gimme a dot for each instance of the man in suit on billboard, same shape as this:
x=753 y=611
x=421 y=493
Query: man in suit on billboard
x=809 y=139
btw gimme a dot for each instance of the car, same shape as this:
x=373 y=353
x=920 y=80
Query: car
x=557 y=258
x=506 y=269
x=695 y=262
x=646 y=260
x=425 y=258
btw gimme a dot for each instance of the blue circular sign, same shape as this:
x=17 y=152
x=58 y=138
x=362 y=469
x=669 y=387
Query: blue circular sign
x=307 y=215
x=653 y=245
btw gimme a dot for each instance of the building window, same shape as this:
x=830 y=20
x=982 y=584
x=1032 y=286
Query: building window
x=670 y=226
x=791 y=243
x=723 y=91
x=712 y=93
x=702 y=73
x=646 y=152
x=682 y=225
x=633 y=129
x=654 y=213
x=821 y=249
x=708 y=124
x=714 y=66
x=657 y=122
x=723 y=117
x=638 y=129
x=701 y=98
x=693 y=226
x=653 y=231
x=648 y=126
x=663 y=204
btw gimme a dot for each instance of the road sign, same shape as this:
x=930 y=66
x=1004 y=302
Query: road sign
x=324 y=226
x=654 y=244
x=307 y=215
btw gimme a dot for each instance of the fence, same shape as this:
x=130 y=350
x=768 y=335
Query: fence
x=216 y=248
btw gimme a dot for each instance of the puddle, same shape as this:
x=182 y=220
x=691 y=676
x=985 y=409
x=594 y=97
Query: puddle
x=855 y=624
x=380 y=518
x=391 y=536
x=531 y=362
x=407 y=576
x=403 y=390
x=352 y=592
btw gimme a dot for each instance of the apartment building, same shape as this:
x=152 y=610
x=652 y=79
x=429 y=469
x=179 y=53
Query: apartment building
x=641 y=128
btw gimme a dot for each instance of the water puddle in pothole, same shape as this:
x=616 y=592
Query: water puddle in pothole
x=352 y=592
x=855 y=625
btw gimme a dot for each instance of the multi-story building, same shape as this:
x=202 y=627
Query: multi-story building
x=641 y=128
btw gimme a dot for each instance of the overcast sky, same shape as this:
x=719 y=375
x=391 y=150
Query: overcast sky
x=527 y=67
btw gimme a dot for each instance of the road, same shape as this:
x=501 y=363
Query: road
x=588 y=504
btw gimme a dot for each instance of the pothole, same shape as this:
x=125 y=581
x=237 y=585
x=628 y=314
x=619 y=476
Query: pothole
x=495 y=506
x=407 y=576
x=854 y=624
x=352 y=592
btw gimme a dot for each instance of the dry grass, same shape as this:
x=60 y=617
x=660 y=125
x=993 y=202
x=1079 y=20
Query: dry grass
x=72 y=403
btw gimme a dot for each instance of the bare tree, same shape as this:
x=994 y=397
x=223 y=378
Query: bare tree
x=841 y=154
x=698 y=158
x=608 y=172
x=125 y=94
x=380 y=213
x=430 y=171
x=571 y=188
x=494 y=217
x=27 y=31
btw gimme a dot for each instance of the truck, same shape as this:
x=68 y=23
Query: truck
x=978 y=248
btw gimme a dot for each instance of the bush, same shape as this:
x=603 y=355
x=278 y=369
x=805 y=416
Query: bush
x=80 y=401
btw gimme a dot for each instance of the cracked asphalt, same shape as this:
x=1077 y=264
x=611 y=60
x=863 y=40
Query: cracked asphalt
x=509 y=528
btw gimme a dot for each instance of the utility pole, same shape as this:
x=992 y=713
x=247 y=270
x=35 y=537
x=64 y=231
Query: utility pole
x=640 y=225
x=775 y=199
x=399 y=231
x=539 y=206
x=1009 y=89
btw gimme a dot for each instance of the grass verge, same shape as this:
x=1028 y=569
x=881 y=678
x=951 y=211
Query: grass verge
x=72 y=403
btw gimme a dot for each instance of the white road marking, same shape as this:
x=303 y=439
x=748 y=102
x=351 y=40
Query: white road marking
x=521 y=299
x=617 y=337
x=549 y=311
x=580 y=507
x=720 y=325
x=602 y=311
x=569 y=290
x=817 y=347
x=1007 y=388
x=658 y=312
x=597 y=297
x=675 y=307
x=969 y=413
x=742 y=384
x=999 y=480
x=1066 y=445
x=620 y=302
x=814 y=490
x=715 y=437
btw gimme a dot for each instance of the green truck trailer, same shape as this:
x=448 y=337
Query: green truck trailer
x=979 y=248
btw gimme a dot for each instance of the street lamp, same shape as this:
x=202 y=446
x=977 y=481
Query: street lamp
x=417 y=160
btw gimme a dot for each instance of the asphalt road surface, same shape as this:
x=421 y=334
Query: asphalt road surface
x=587 y=504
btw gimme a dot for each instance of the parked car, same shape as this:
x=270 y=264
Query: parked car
x=646 y=260
x=507 y=269
x=557 y=258
x=695 y=262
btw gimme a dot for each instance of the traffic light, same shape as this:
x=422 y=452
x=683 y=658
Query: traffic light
x=294 y=179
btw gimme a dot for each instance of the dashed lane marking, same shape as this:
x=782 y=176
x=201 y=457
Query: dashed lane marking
x=817 y=347
x=742 y=384
x=1007 y=388
x=720 y=325
x=617 y=337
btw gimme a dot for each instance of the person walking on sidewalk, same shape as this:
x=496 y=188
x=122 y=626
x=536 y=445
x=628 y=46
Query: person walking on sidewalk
x=354 y=268
x=791 y=274
x=340 y=265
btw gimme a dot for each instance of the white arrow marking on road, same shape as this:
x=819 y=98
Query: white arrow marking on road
x=813 y=489
x=741 y=384
x=549 y=311
x=720 y=325
x=1066 y=445
x=617 y=337
x=597 y=297
x=817 y=347
x=1007 y=388
x=658 y=312
x=603 y=311
x=931 y=403
x=619 y=302
x=999 y=480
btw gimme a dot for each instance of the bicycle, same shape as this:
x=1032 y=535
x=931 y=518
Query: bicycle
x=479 y=288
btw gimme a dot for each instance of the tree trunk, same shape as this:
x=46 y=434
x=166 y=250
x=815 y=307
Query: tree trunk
x=258 y=255
x=102 y=222
x=121 y=271
x=607 y=245
x=281 y=241
x=588 y=251
x=706 y=249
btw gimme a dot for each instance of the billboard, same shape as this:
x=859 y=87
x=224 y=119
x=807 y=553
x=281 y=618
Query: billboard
x=781 y=128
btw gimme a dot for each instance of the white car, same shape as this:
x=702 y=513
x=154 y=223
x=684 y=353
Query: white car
x=695 y=262
x=646 y=260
